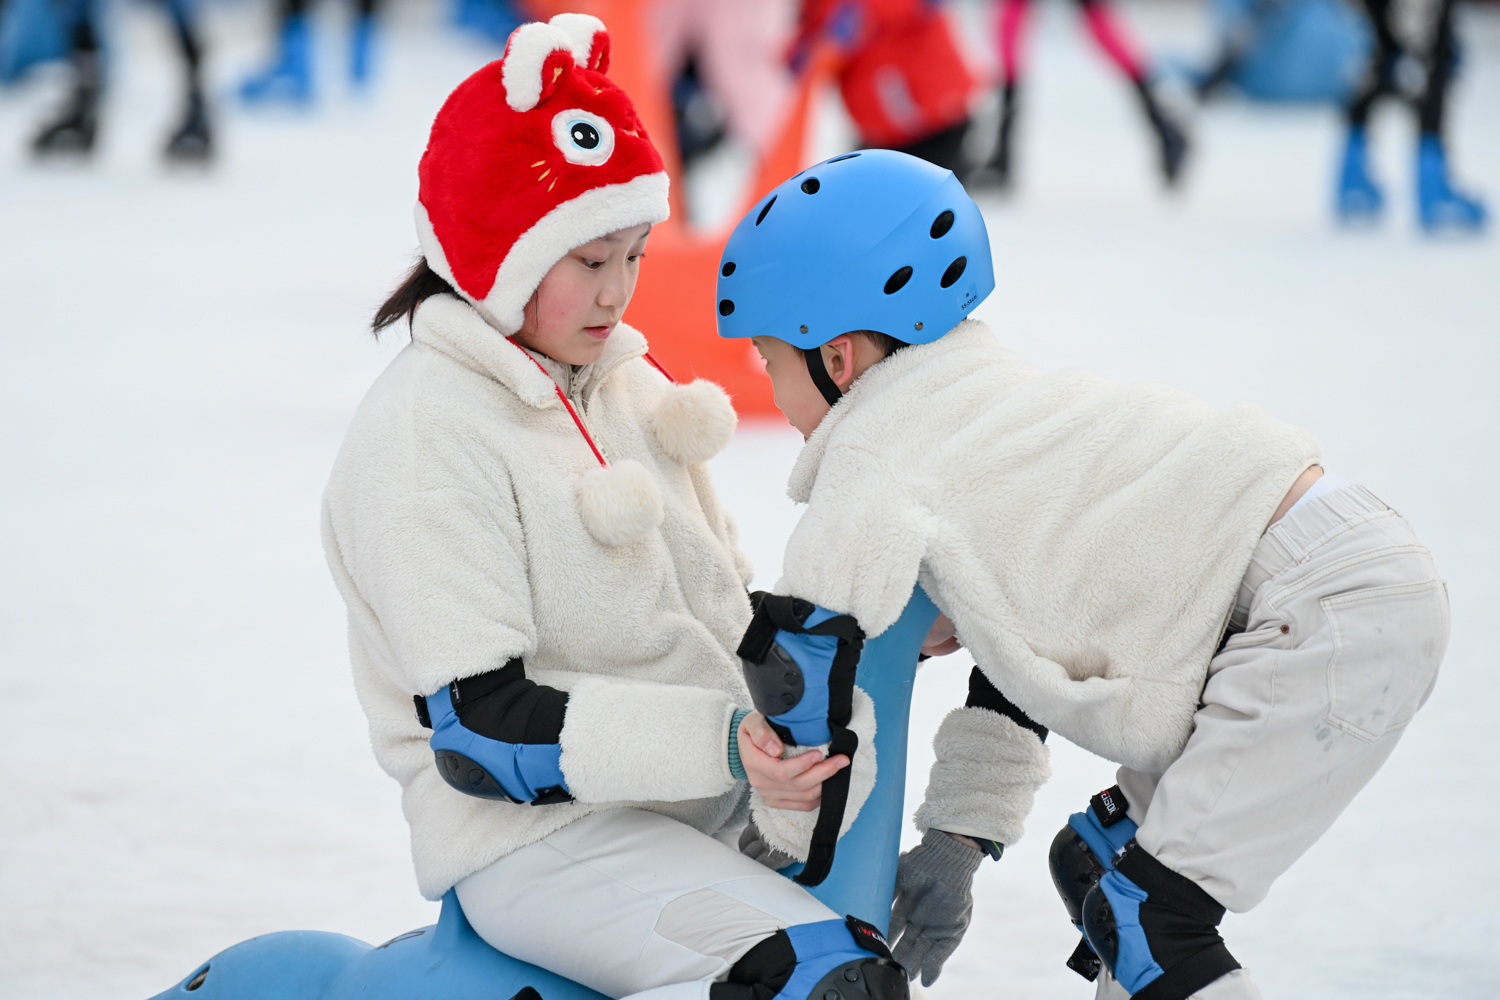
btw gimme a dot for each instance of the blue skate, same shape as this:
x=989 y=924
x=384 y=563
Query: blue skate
x=1441 y=209
x=1359 y=199
x=288 y=79
x=450 y=961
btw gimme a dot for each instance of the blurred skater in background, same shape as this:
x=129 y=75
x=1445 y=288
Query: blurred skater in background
x=288 y=77
x=903 y=80
x=72 y=131
x=1414 y=55
x=726 y=59
x=1115 y=42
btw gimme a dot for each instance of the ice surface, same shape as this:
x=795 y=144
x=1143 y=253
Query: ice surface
x=182 y=761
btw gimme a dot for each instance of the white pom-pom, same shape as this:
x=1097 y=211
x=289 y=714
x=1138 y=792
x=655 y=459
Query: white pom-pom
x=619 y=504
x=694 y=422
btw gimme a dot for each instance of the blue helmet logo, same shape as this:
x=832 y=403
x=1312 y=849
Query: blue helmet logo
x=873 y=240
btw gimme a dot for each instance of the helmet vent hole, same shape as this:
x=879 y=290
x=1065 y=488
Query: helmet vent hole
x=846 y=156
x=954 y=272
x=898 y=281
x=726 y=306
x=810 y=186
x=762 y=216
x=728 y=268
x=942 y=223
x=197 y=981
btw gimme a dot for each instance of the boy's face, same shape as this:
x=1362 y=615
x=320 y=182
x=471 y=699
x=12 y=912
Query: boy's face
x=796 y=395
x=845 y=358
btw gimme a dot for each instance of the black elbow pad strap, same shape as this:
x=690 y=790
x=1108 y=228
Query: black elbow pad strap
x=784 y=689
x=983 y=694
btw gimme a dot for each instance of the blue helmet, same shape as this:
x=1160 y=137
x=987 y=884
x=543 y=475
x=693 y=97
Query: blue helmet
x=873 y=240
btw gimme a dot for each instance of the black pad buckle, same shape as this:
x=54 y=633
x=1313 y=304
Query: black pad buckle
x=1109 y=806
x=868 y=936
x=1083 y=961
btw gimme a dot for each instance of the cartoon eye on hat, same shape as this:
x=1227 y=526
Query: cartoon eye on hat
x=584 y=138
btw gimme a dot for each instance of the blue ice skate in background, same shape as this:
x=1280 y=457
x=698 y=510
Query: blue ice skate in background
x=1292 y=50
x=449 y=961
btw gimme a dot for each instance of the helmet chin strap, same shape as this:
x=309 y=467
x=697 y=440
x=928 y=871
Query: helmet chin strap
x=820 y=376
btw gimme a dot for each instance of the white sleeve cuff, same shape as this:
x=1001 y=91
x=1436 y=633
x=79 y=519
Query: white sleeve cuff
x=638 y=741
x=985 y=778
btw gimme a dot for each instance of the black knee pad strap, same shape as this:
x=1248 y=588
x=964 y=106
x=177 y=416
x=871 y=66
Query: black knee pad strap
x=1181 y=923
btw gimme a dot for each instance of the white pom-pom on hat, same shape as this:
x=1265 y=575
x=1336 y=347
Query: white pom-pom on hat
x=619 y=503
x=693 y=422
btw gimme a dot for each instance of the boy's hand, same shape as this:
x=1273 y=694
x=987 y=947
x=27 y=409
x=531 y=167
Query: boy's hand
x=796 y=783
x=941 y=640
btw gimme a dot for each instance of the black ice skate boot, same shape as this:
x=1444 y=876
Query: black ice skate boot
x=193 y=142
x=1172 y=140
x=73 y=130
x=994 y=173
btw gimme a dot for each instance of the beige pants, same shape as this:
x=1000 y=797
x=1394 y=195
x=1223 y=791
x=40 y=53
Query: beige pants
x=1341 y=624
x=627 y=901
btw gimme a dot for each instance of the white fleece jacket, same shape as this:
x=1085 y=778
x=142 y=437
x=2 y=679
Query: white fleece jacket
x=1086 y=538
x=454 y=524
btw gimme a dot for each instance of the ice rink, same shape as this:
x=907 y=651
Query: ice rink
x=182 y=760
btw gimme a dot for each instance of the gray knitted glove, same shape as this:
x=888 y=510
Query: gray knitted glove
x=934 y=900
x=753 y=846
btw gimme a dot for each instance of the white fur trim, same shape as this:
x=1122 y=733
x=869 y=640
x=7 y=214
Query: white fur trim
x=432 y=250
x=985 y=778
x=525 y=57
x=693 y=422
x=580 y=29
x=595 y=213
x=637 y=741
x=790 y=832
x=619 y=503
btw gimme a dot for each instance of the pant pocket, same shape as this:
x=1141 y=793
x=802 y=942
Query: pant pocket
x=1387 y=644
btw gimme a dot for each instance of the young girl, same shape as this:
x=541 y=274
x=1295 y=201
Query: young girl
x=544 y=593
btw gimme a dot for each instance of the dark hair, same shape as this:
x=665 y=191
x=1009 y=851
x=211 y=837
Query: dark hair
x=421 y=283
x=888 y=345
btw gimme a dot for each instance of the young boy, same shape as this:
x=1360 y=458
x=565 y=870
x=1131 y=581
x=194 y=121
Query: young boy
x=1173 y=586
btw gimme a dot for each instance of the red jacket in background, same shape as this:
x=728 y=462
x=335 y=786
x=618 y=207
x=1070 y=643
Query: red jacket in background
x=902 y=76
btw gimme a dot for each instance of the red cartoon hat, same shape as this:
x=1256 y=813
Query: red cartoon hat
x=533 y=155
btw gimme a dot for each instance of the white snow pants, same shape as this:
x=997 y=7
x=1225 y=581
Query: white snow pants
x=626 y=901
x=1342 y=622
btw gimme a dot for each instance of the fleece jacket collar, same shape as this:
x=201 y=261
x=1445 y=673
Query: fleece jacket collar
x=966 y=345
x=454 y=328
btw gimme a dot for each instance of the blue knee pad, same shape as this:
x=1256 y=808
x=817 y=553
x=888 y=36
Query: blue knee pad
x=848 y=958
x=1082 y=853
x=1154 y=929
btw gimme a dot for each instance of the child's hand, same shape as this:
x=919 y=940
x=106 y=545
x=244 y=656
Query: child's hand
x=796 y=783
x=941 y=640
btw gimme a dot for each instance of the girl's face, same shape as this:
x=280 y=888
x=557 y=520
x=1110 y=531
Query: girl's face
x=579 y=302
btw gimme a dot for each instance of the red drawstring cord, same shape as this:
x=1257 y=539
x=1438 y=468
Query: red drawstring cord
x=574 y=413
x=657 y=365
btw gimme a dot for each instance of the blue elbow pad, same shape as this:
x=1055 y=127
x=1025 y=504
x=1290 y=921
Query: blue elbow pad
x=799 y=662
x=495 y=736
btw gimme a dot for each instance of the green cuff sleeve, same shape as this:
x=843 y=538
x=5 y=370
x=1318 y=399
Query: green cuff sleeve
x=735 y=767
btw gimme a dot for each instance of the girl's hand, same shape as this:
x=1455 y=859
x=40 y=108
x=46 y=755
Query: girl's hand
x=796 y=783
x=941 y=640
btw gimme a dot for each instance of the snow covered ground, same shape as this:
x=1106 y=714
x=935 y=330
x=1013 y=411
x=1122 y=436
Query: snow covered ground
x=182 y=762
